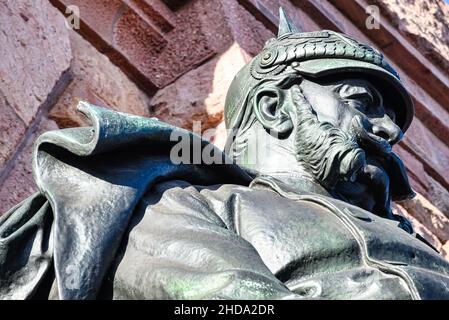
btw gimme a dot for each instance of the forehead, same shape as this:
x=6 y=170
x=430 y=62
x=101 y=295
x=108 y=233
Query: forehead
x=352 y=84
x=344 y=86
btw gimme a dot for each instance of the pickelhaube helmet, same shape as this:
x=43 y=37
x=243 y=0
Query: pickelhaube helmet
x=315 y=54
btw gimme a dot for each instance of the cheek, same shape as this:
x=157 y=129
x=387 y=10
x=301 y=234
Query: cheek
x=328 y=109
x=337 y=113
x=346 y=116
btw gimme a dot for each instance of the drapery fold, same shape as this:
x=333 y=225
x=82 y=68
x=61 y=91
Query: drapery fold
x=90 y=179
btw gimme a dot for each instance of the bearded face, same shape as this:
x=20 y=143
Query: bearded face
x=344 y=136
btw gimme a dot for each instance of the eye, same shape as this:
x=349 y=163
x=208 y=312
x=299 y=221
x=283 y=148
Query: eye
x=356 y=105
x=362 y=97
x=359 y=101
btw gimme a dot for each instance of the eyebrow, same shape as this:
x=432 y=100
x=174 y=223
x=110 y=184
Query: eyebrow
x=346 y=91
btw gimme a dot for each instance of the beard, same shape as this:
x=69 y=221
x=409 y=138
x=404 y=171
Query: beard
x=327 y=152
x=350 y=168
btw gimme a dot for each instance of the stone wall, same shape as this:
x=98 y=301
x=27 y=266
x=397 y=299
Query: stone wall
x=175 y=59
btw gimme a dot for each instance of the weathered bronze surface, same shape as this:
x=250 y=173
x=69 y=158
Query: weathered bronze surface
x=304 y=212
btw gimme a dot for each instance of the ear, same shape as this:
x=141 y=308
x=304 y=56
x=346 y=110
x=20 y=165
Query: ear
x=272 y=112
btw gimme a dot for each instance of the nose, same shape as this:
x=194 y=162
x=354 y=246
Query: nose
x=386 y=129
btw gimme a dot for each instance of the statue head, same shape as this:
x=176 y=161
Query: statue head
x=323 y=107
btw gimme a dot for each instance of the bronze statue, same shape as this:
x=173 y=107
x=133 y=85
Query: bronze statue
x=303 y=212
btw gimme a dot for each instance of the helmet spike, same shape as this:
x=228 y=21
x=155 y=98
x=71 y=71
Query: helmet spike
x=285 y=25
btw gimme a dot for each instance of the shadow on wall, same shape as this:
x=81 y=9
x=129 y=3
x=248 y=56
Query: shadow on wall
x=199 y=95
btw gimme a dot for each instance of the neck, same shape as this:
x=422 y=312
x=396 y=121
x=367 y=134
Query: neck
x=277 y=158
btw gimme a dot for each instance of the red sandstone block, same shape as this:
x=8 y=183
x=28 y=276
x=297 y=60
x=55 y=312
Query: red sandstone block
x=12 y=129
x=155 y=11
x=98 y=81
x=35 y=53
x=200 y=94
x=429 y=147
x=19 y=182
x=150 y=43
x=415 y=169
